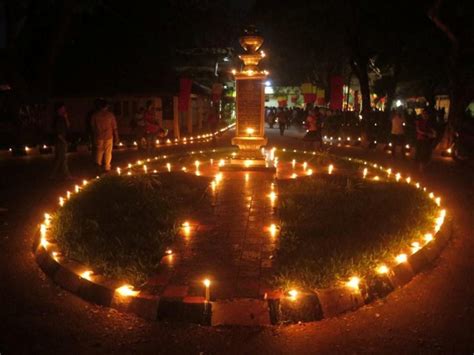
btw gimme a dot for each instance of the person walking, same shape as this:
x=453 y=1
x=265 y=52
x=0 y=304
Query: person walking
x=281 y=116
x=425 y=134
x=104 y=126
x=60 y=127
x=398 y=132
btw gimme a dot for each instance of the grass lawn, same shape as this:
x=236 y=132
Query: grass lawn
x=334 y=227
x=121 y=225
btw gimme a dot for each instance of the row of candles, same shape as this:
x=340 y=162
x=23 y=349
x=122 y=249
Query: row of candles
x=352 y=283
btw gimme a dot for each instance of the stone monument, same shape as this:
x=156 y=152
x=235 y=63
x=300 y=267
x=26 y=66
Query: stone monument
x=250 y=106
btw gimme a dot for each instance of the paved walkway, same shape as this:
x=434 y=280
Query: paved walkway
x=227 y=242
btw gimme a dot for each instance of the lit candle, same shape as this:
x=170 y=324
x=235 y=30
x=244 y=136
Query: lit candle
x=330 y=169
x=207 y=285
x=401 y=258
x=293 y=294
x=273 y=229
x=353 y=283
x=87 y=275
x=127 y=291
x=428 y=237
x=382 y=269
x=415 y=246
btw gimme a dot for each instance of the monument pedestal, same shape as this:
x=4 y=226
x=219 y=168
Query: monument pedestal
x=249 y=156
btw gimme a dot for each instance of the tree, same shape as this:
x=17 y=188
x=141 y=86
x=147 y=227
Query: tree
x=456 y=25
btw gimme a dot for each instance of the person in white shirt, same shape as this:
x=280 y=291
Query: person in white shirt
x=398 y=131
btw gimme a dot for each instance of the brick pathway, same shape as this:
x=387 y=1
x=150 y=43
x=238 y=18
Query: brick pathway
x=227 y=242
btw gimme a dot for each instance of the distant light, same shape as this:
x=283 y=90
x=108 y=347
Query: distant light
x=268 y=83
x=398 y=103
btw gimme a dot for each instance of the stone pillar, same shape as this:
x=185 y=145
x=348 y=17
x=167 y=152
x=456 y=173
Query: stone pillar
x=176 y=117
x=250 y=109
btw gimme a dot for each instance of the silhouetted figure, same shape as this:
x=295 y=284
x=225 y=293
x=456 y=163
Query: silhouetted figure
x=60 y=128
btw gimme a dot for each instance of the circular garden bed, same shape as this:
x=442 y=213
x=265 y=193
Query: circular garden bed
x=340 y=221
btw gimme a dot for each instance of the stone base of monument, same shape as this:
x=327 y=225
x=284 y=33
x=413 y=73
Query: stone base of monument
x=249 y=157
x=238 y=164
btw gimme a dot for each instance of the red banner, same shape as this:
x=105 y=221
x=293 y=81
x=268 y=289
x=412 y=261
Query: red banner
x=309 y=98
x=282 y=103
x=337 y=96
x=184 y=94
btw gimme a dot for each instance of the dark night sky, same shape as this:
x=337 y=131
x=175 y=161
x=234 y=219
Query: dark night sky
x=124 y=45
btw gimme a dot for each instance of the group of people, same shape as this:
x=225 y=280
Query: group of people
x=426 y=134
x=102 y=131
x=102 y=127
x=284 y=117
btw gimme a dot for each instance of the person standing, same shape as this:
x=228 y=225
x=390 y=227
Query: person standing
x=60 y=127
x=152 y=127
x=104 y=126
x=398 y=131
x=424 y=138
x=313 y=132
